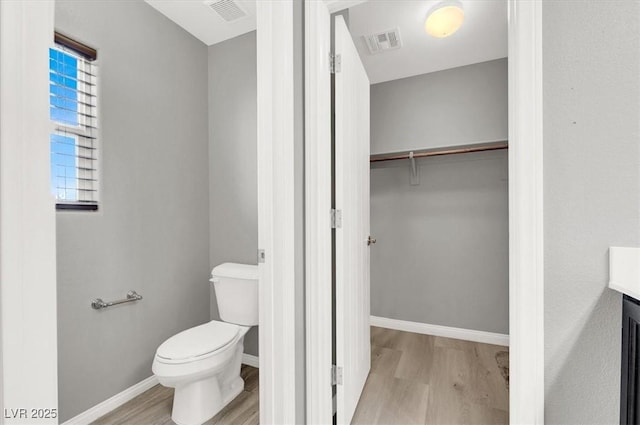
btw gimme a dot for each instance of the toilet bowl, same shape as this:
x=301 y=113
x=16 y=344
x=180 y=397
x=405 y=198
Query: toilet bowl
x=203 y=363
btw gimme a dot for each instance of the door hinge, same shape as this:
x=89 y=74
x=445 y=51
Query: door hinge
x=335 y=63
x=336 y=375
x=336 y=219
x=261 y=256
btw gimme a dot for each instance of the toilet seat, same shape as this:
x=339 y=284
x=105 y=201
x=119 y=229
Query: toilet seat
x=198 y=342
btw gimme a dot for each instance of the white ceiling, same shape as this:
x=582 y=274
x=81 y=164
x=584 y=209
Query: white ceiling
x=205 y=24
x=482 y=37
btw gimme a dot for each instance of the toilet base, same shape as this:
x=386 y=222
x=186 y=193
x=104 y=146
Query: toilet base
x=197 y=402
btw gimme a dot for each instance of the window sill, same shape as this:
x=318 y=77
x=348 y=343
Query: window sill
x=76 y=207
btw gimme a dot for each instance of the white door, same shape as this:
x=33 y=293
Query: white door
x=353 y=352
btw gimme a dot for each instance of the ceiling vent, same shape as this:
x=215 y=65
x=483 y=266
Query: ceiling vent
x=227 y=9
x=387 y=40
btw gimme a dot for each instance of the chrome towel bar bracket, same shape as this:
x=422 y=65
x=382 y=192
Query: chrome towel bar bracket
x=98 y=303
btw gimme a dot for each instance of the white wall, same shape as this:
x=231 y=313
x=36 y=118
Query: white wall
x=591 y=57
x=151 y=233
x=456 y=106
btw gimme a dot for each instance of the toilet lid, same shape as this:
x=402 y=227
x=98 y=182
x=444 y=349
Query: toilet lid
x=198 y=341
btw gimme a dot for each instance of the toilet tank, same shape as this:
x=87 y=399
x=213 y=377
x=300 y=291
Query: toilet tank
x=236 y=287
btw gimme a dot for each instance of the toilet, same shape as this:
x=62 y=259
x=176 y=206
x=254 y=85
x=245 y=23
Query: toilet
x=203 y=363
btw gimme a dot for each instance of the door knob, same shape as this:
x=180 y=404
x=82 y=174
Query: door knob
x=371 y=240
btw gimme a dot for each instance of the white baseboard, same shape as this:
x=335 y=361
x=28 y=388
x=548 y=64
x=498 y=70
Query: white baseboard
x=444 y=331
x=113 y=403
x=250 y=360
x=119 y=399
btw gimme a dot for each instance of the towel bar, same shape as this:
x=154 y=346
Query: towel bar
x=98 y=303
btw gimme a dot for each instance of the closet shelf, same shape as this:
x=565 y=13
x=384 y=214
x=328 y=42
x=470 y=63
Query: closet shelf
x=440 y=151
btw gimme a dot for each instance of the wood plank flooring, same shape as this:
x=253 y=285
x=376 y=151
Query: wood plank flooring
x=422 y=379
x=414 y=379
x=153 y=407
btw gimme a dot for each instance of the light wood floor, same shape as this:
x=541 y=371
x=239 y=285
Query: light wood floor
x=422 y=379
x=153 y=407
x=414 y=379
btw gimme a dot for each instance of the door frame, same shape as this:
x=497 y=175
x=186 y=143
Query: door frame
x=277 y=27
x=526 y=214
x=318 y=256
x=526 y=219
x=28 y=347
x=28 y=321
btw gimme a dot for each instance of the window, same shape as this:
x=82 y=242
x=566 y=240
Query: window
x=73 y=110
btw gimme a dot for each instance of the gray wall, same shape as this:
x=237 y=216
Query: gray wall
x=457 y=106
x=442 y=251
x=591 y=57
x=233 y=184
x=151 y=233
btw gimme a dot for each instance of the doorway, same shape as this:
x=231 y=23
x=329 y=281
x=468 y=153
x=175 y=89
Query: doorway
x=28 y=257
x=525 y=188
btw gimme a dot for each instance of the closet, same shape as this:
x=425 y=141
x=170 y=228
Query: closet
x=419 y=216
x=439 y=199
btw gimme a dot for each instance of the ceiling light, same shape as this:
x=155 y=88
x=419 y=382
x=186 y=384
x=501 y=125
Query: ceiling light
x=444 y=18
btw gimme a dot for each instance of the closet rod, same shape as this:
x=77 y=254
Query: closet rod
x=469 y=149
